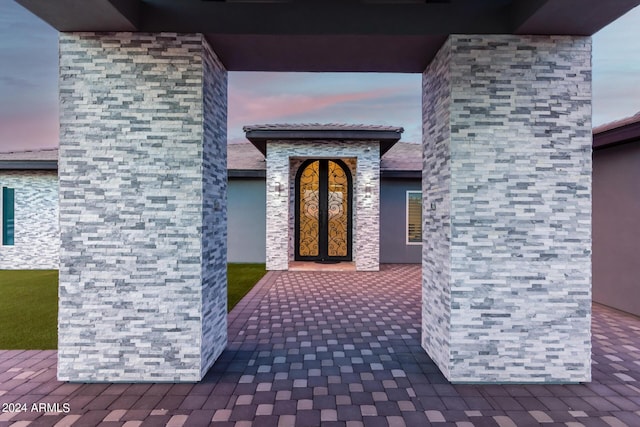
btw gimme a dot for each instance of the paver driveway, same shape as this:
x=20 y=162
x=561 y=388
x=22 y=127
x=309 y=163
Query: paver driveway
x=335 y=348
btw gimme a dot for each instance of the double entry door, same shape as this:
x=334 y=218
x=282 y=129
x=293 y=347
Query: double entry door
x=323 y=219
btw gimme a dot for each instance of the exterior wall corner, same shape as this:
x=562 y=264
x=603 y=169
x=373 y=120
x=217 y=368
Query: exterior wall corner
x=517 y=143
x=142 y=178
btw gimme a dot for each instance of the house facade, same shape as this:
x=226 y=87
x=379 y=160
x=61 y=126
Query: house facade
x=33 y=179
x=616 y=209
x=357 y=181
x=506 y=174
x=400 y=189
x=29 y=237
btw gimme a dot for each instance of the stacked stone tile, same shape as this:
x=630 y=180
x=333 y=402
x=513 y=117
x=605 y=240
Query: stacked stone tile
x=282 y=156
x=436 y=209
x=507 y=206
x=214 y=210
x=36 y=238
x=142 y=207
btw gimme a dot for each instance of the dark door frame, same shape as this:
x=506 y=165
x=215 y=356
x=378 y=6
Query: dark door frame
x=323 y=190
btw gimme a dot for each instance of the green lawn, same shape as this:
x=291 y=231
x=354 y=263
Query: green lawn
x=28 y=309
x=241 y=278
x=29 y=304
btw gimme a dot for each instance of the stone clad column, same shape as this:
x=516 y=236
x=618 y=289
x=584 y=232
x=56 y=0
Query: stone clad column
x=507 y=209
x=277 y=198
x=142 y=207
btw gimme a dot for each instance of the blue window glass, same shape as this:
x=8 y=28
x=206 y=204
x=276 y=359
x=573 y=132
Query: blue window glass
x=8 y=216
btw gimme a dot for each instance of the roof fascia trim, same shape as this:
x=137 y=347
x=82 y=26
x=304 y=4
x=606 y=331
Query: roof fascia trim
x=400 y=174
x=246 y=173
x=617 y=136
x=28 y=165
x=260 y=138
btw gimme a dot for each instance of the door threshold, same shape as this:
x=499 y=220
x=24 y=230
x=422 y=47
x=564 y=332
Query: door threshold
x=314 y=266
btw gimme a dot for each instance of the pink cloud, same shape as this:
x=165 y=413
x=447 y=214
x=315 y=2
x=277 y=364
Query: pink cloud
x=246 y=108
x=29 y=131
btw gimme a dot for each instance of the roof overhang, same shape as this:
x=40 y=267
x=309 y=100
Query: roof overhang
x=246 y=174
x=400 y=174
x=325 y=35
x=617 y=136
x=386 y=137
x=28 y=165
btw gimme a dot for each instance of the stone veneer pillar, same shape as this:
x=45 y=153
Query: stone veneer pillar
x=507 y=209
x=366 y=205
x=142 y=207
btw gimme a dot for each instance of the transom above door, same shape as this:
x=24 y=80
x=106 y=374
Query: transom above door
x=323 y=217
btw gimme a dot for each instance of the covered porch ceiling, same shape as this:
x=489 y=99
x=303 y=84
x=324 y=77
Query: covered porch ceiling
x=331 y=35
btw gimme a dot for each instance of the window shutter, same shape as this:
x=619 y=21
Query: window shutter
x=8 y=216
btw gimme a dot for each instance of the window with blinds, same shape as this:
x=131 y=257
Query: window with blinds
x=414 y=217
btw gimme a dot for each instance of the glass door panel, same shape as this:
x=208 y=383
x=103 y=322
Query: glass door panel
x=323 y=204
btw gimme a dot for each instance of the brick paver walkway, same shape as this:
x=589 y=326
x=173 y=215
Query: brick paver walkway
x=333 y=349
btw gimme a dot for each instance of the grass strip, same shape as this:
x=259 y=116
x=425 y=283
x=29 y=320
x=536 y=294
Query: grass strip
x=29 y=304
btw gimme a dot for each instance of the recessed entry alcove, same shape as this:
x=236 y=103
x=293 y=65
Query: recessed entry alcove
x=323 y=191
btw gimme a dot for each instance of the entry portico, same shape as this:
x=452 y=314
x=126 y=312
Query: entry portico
x=308 y=218
x=506 y=173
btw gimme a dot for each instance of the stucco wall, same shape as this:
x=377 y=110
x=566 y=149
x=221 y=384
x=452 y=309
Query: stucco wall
x=616 y=227
x=247 y=220
x=142 y=166
x=507 y=205
x=36 y=221
x=393 y=222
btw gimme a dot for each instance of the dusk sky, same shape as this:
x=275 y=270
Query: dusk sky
x=29 y=98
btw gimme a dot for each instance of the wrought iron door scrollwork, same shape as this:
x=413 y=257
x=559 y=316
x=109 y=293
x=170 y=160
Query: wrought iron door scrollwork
x=309 y=210
x=337 y=209
x=323 y=203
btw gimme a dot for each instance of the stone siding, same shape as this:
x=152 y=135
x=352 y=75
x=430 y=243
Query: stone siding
x=366 y=207
x=517 y=142
x=436 y=209
x=214 y=215
x=142 y=207
x=36 y=221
